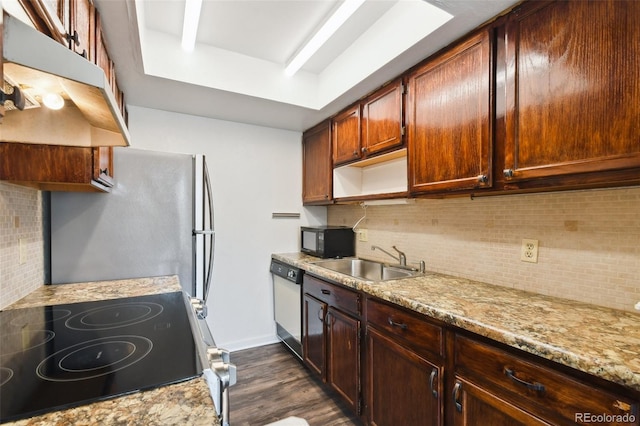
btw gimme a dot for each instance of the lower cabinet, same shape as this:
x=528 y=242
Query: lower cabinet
x=404 y=367
x=419 y=371
x=331 y=337
x=403 y=388
x=496 y=384
x=477 y=406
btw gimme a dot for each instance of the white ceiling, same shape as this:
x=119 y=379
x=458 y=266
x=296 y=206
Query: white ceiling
x=236 y=71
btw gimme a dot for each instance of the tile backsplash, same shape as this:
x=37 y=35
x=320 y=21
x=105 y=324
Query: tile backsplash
x=589 y=241
x=20 y=220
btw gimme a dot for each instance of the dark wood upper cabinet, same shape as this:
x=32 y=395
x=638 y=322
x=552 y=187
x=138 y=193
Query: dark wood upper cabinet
x=382 y=119
x=317 y=182
x=57 y=168
x=50 y=17
x=572 y=85
x=369 y=127
x=449 y=117
x=82 y=30
x=345 y=134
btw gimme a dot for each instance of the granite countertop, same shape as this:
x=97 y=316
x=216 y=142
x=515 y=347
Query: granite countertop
x=188 y=402
x=597 y=340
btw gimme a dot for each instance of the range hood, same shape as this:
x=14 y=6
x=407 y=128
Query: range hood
x=36 y=64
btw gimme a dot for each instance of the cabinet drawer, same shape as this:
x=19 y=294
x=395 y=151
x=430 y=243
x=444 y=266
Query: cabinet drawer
x=339 y=297
x=539 y=389
x=418 y=333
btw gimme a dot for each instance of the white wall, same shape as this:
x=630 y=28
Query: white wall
x=254 y=171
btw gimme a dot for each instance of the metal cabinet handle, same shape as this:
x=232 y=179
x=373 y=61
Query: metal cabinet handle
x=534 y=386
x=483 y=179
x=397 y=324
x=324 y=291
x=508 y=173
x=74 y=38
x=104 y=171
x=364 y=149
x=321 y=314
x=432 y=382
x=456 y=396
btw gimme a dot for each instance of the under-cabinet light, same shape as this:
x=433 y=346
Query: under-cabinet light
x=388 y=202
x=192 y=10
x=53 y=101
x=336 y=20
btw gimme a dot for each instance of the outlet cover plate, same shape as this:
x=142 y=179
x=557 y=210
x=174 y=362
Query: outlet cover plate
x=529 y=251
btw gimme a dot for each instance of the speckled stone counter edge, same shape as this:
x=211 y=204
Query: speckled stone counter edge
x=600 y=341
x=188 y=402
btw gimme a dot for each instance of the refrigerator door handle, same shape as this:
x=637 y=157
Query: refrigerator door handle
x=210 y=233
x=203 y=232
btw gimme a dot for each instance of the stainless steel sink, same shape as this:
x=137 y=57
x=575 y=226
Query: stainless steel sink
x=366 y=269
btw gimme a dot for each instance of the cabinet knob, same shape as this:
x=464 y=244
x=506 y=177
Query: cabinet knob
x=104 y=171
x=363 y=149
x=508 y=173
x=74 y=38
x=483 y=179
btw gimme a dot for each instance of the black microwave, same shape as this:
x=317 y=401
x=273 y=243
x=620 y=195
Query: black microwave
x=327 y=241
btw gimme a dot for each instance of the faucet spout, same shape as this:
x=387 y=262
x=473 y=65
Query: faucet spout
x=373 y=247
x=402 y=257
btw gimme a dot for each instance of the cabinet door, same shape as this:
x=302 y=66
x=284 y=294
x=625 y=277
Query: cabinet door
x=343 y=344
x=448 y=119
x=101 y=56
x=103 y=165
x=55 y=15
x=402 y=387
x=476 y=406
x=317 y=182
x=346 y=135
x=382 y=120
x=313 y=339
x=572 y=88
x=82 y=28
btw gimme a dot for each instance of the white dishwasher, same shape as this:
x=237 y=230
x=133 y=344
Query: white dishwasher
x=287 y=301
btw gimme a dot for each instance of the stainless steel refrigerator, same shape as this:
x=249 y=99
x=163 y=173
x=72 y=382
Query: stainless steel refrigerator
x=157 y=220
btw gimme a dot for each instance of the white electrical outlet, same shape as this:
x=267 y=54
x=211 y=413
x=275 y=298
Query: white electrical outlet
x=363 y=235
x=529 y=251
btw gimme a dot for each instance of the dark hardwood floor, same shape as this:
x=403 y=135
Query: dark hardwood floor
x=273 y=385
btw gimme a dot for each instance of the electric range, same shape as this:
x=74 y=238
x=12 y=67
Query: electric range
x=57 y=357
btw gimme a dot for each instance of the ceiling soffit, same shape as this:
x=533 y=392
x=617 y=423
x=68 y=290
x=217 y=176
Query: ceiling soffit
x=243 y=46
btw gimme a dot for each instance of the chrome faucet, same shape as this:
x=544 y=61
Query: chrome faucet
x=401 y=258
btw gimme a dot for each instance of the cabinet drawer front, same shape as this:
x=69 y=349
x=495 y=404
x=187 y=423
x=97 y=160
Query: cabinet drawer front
x=334 y=295
x=416 y=331
x=536 y=388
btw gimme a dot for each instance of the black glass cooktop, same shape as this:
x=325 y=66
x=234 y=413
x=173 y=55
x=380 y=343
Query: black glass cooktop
x=56 y=357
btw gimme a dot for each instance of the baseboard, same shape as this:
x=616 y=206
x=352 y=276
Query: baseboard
x=238 y=345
